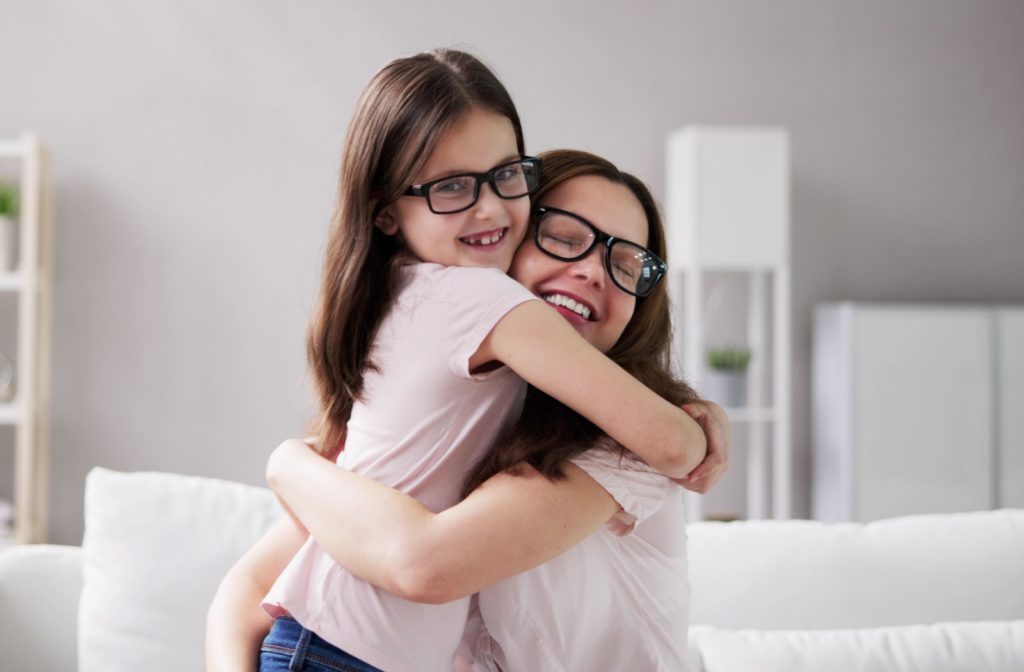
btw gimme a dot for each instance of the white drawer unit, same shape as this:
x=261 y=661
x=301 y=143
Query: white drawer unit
x=916 y=409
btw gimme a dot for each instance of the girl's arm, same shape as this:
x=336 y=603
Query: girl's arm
x=506 y=526
x=235 y=622
x=561 y=363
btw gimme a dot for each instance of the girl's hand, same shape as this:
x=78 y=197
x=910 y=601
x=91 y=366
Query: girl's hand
x=716 y=427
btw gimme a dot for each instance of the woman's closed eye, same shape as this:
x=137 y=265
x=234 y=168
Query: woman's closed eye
x=508 y=174
x=626 y=271
x=563 y=246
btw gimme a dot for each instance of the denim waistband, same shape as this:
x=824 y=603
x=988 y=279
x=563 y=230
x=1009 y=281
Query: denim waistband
x=288 y=637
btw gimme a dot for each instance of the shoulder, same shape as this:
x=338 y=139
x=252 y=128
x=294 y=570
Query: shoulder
x=638 y=488
x=455 y=282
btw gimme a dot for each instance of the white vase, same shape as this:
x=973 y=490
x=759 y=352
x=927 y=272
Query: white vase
x=727 y=388
x=8 y=251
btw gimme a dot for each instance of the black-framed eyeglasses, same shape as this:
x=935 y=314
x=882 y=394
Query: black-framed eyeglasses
x=565 y=235
x=456 y=193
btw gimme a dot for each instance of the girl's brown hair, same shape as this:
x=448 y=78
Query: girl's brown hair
x=549 y=433
x=405 y=110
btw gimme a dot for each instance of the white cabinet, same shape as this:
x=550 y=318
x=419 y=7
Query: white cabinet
x=727 y=211
x=911 y=409
x=31 y=281
x=1010 y=411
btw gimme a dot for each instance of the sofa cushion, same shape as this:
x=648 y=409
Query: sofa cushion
x=800 y=574
x=39 y=592
x=943 y=647
x=155 y=548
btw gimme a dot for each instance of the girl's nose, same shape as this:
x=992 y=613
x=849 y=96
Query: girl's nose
x=488 y=203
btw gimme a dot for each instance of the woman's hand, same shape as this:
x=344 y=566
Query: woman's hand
x=716 y=427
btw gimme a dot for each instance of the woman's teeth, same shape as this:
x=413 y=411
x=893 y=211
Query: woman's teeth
x=485 y=240
x=566 y=302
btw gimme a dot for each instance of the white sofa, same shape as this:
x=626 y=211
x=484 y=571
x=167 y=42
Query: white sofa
x=935 y=593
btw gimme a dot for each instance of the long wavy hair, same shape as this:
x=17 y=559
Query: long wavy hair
x=402 y=114
x=548 y=432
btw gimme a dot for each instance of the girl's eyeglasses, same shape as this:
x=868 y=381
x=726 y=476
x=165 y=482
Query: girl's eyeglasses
x=460 y=192
x=567 y=236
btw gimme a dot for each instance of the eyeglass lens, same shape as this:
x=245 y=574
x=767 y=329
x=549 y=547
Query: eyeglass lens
x=511 y=180
x=633 y=268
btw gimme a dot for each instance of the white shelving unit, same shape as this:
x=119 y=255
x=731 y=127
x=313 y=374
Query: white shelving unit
x=32 y=281
x=727 y=208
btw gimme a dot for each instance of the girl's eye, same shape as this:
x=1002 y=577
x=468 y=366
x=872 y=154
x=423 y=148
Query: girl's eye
x=450 y=187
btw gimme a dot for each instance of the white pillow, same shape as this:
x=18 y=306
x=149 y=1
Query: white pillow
x=993 y=646
x=802 y=574
x=155 y=548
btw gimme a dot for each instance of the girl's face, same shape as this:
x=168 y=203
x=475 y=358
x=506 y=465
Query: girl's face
x=486 y=234
x=612 y=208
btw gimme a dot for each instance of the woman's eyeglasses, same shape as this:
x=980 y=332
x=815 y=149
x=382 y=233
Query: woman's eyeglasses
x=567 y=236
x=460 y=192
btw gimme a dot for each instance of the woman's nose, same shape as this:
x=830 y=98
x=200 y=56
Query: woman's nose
x=590 y=268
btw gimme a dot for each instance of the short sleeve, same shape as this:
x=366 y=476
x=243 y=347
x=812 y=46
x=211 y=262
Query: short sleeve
x=638 y=488
x=473 y=301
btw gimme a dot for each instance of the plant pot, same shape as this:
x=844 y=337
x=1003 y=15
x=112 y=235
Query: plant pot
x=8 y=242
x=727 y=388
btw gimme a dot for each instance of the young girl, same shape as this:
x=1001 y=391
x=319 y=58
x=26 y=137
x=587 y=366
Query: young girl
x=415 y=320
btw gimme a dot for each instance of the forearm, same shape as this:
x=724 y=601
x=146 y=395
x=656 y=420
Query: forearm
x=385 y=537
x=235 y=626
x=235 y=621
x=363 y=525
x=565 y=366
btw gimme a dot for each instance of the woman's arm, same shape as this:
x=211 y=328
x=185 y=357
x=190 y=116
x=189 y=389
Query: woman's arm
x=544 y=349
x=235 y=621
x=506 y=526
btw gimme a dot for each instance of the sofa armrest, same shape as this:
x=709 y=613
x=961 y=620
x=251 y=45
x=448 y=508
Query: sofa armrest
x=39 y=590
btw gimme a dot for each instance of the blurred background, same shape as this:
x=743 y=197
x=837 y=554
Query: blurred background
x=195 y=149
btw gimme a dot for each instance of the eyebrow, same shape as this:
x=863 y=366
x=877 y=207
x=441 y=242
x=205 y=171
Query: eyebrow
x=452 y=173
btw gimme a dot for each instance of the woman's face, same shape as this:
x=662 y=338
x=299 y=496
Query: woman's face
x=613 y=209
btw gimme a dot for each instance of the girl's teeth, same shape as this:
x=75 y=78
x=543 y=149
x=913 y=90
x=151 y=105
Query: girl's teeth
x=486 y=240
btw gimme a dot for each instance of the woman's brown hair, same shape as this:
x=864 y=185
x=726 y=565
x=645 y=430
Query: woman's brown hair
x=402 y=114
x=549 y=433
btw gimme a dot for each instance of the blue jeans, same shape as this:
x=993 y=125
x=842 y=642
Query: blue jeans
x=289 y=646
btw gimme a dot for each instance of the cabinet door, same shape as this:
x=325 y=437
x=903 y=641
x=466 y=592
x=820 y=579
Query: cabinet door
x=922 y=396
x=1010 y=415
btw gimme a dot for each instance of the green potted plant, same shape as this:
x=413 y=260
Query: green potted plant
x=727 y=379
x=8 y=214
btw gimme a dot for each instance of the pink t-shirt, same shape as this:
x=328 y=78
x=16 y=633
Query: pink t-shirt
x=425 y=421
x=618 y=600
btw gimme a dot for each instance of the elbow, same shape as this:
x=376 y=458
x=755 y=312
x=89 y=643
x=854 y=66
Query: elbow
x=418 y=577
x=684 y=452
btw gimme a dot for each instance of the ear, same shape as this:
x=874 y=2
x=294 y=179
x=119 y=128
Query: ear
x=387 y=222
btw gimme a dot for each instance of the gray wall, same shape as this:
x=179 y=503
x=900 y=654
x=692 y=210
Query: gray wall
x=196 y=147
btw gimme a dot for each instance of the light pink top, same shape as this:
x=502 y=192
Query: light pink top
x=424 y=423
x=609 y=603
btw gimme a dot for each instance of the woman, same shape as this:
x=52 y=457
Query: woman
x=555 y=481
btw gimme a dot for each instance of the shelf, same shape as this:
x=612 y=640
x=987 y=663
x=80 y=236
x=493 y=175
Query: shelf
x=10 y=414
x=747 y=414
x=31 y=282
x=12 y=149
x=11 y=282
